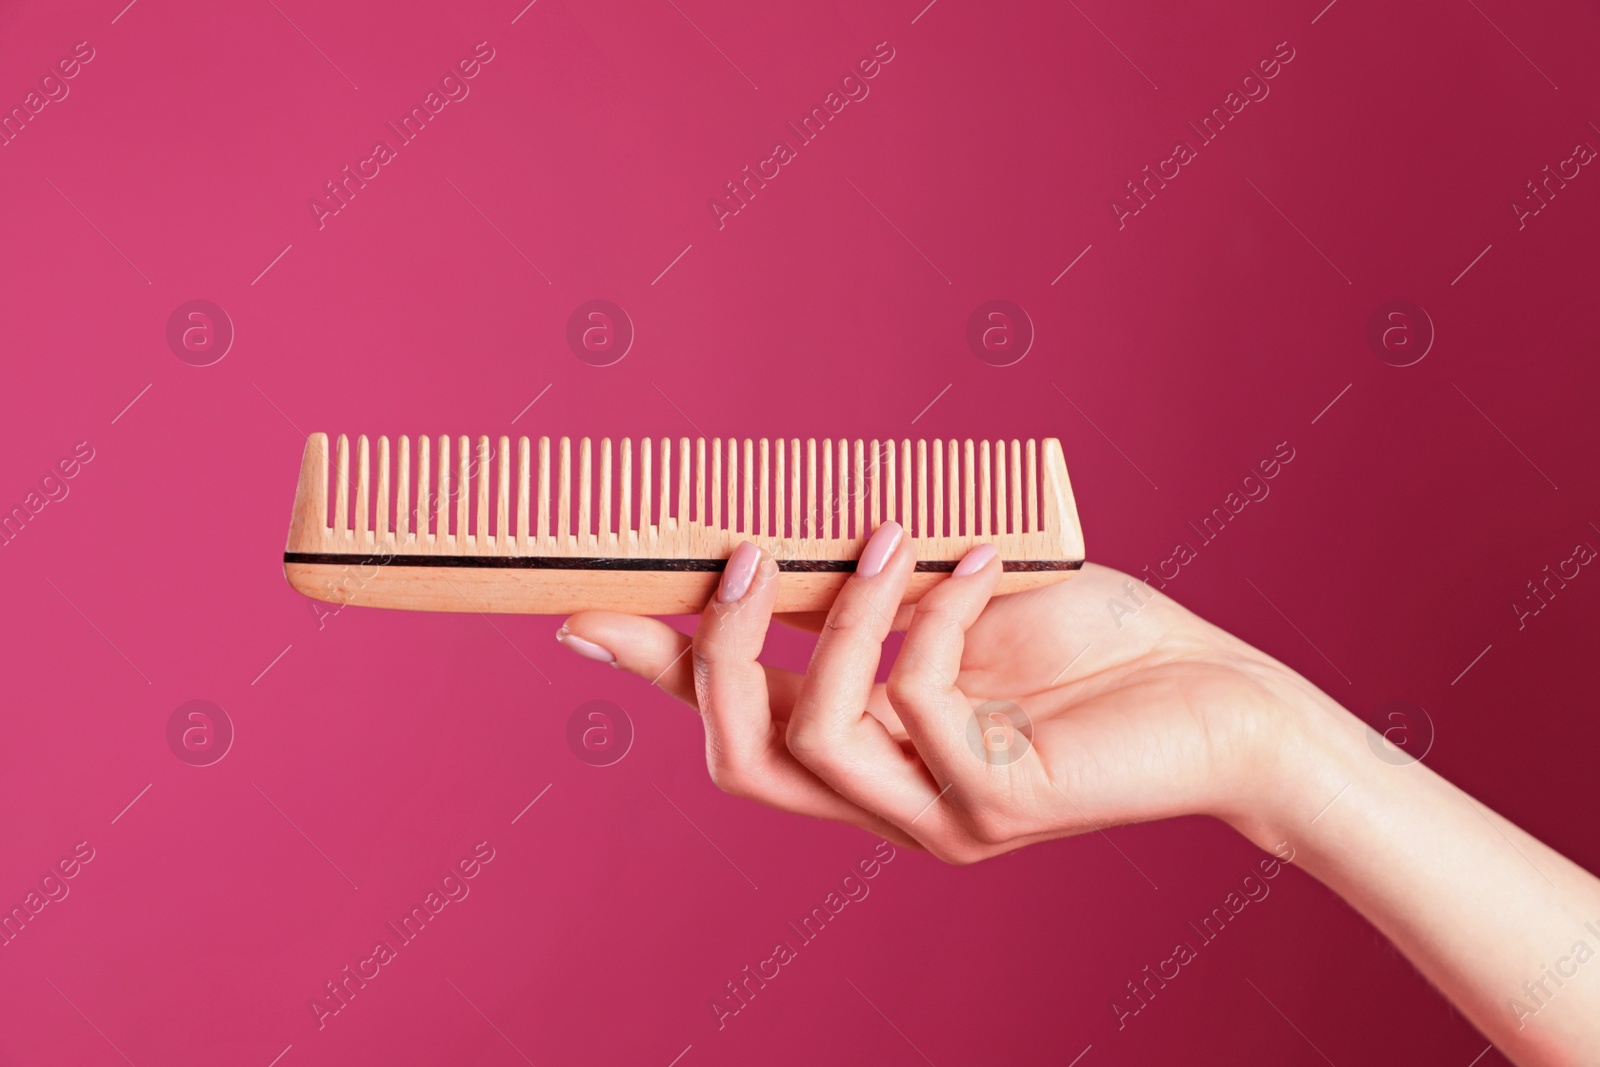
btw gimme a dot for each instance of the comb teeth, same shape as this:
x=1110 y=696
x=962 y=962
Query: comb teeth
x=688 y=499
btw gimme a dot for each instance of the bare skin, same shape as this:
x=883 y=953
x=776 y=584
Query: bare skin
x=1142 y=717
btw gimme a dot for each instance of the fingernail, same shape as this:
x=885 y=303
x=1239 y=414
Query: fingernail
x=586 y=649
x=880 y=546
x=739 y=573
x=974 y=561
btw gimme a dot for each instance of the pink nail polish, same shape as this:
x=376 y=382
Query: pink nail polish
x=880 y=546
x=974 y=561
x=586 y=649
x=739 y=573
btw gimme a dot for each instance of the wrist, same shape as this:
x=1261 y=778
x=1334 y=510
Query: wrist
x=1305 y=755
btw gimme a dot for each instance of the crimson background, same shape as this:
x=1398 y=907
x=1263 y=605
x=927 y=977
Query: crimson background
x=1220 y=321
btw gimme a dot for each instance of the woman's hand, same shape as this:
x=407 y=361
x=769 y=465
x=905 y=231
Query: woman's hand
x=1004 y=720
x=1131 y=708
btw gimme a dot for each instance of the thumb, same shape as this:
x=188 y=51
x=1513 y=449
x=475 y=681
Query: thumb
x=643 y=646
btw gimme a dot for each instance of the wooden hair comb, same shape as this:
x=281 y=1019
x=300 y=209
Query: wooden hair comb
x=612 y=545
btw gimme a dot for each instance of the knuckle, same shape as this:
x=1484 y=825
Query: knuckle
x=728 y=777
x=955 y=851
x=726 y=630
x=989 y=827
x=933 y=610
x=837 y=624
x=810 y=742
x=909 y=685
x=704 y=644
x=848 y=616
x=943 y=629
x=902 y=840
x=701 y=671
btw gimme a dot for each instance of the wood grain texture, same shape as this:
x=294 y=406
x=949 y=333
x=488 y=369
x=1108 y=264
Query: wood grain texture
x=810 y=505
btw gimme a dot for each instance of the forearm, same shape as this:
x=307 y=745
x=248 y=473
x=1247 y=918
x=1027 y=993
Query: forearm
x=1505 y=926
